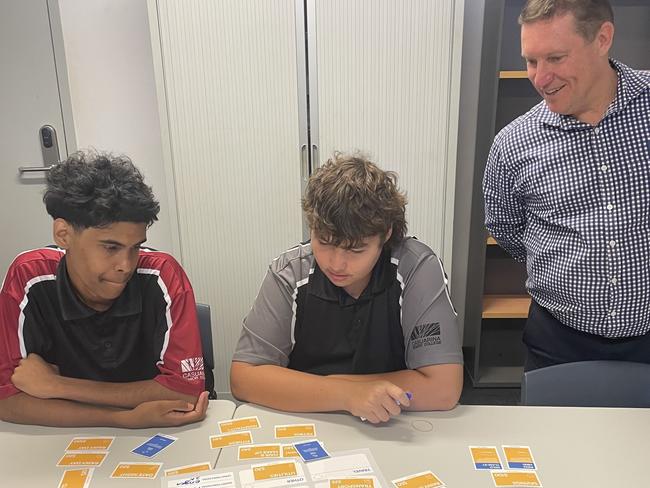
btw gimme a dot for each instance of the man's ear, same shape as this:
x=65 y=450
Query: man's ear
x=605 y=37
x=63 y=233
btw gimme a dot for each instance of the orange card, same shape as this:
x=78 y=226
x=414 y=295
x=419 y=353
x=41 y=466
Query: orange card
x=259 y=451
x=352 y=483
x=485 y=457
x=519 y=457
x=90 y=443
x=82 y=459
x=76 y=478
x=190 y=468
x=426 y=479
x=275 y=470
x=238 y=425
x=235 y=439
x=288 y=451
x=136 y=470
x=504 y=479
x=295 y=430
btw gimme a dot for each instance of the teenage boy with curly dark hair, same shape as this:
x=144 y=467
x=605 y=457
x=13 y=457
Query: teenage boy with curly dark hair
x=98 y=331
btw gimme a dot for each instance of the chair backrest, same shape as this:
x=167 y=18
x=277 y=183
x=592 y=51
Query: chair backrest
x=205 y=328
x=588 y=384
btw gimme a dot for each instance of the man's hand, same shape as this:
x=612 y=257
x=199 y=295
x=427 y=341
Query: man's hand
x=376 y=401
x=36 y=377
x=165 y=413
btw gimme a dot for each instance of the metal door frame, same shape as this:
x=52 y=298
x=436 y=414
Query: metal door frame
x=69 y=136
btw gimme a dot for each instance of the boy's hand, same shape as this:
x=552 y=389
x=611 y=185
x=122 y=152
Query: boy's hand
x=164 y=413
x=376 y=401
x=36 y=377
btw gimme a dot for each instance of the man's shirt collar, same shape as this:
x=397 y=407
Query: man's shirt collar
x=629 y=86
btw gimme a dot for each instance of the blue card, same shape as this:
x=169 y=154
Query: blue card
x=154 y=445
x=311 y=450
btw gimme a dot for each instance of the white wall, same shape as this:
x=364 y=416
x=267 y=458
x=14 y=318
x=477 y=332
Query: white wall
x=110 y=70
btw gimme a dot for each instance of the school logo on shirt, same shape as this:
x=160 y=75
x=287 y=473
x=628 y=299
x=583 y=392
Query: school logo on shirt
x=425 y=335
x=192 y=368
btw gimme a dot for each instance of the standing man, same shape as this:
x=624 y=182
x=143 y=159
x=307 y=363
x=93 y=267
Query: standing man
x=567 y=189
x=359 y=319
x=98 y=331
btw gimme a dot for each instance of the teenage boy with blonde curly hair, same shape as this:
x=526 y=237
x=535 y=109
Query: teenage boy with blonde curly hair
x=359 y=319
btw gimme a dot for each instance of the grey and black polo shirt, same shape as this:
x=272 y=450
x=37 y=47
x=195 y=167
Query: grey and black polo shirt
x=404 y=319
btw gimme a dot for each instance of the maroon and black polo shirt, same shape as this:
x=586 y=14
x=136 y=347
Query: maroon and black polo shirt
x=150 y=331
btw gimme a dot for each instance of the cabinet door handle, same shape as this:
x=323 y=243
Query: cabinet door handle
x=49 y=149
x=314 y=156
x=304 y=162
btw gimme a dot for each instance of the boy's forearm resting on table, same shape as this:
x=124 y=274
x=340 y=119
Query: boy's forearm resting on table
x=39 y=379
x=437 y=386
x=124 y=395
x=287 y=389
x=22 y=408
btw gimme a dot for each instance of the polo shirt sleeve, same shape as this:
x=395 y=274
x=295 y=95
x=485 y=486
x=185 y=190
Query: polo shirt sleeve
x=429 y=321
x=505 y=215
x=181 y=363
x=266 y=333
x=9 y=344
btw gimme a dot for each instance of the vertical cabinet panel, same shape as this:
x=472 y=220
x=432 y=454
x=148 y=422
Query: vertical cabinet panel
x=386 y=74
x=230 y=91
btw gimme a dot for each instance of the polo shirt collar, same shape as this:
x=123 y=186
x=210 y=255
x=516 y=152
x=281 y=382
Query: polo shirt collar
x=629 y=86
x=380 y=279
x=72 y=308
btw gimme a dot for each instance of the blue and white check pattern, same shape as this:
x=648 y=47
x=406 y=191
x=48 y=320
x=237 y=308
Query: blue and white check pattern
x=573 y=201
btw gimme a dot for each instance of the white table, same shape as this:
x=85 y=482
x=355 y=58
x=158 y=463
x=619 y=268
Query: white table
x=581 y=447
x=28 y=454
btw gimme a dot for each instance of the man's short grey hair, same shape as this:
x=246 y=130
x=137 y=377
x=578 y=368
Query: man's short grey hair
x=589 y=15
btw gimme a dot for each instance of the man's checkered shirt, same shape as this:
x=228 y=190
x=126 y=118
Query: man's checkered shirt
x=573 y=201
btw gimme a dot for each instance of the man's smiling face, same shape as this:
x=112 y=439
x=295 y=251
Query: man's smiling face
x=562 y=65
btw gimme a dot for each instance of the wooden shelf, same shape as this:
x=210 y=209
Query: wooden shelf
x=491 y=241
x=505 y=306
x=513 y=74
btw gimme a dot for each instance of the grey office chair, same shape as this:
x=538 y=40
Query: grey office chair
x=588 y=384
x=205 y=327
